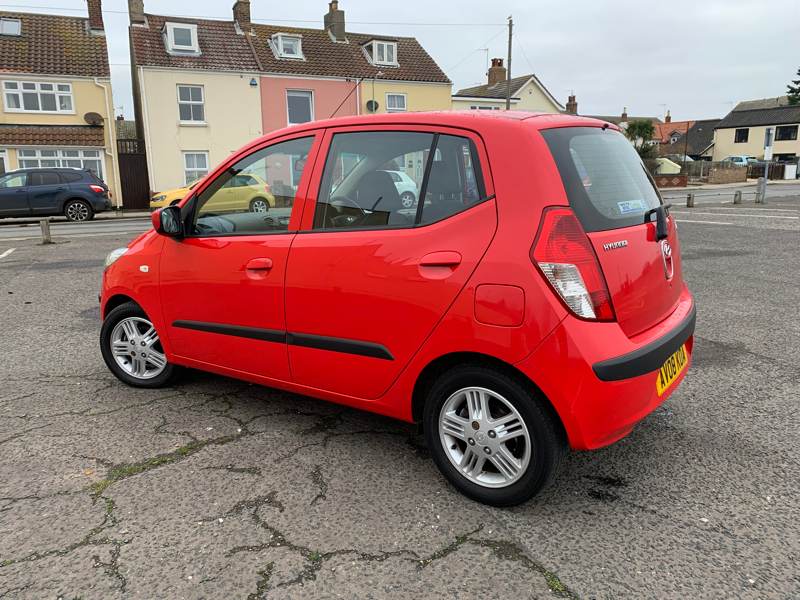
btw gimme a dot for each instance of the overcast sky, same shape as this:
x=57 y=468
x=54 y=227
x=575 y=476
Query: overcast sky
x=696 y=58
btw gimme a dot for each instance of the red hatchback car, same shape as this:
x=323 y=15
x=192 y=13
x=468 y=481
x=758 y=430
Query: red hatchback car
x=530 y=301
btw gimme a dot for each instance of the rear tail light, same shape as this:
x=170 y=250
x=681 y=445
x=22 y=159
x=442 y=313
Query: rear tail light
x=97 y=189
x=565 y=256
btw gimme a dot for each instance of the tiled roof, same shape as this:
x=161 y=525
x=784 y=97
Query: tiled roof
x=126 y=130
x=763 y=103
x=51 y=135
x=326 y=58
x=53 y=45
x=701 y=134
x=764 y=116
x=663 y=131
x=221 y=48
x=618 y=119
x=498 y=90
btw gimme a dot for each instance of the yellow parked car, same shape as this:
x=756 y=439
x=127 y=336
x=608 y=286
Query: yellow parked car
x=243 y=192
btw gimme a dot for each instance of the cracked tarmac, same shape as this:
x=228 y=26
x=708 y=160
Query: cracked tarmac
x=216 y=488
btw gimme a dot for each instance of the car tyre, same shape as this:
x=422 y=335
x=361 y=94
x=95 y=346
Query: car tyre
x=511 y=474
x=259 y=205
x=407 y=198
x=78 y=210
x=122 y=348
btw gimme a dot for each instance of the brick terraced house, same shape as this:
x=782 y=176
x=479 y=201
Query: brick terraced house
x=57 y=107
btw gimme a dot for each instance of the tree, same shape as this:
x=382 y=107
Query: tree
x=640 y=132
x=793 y=90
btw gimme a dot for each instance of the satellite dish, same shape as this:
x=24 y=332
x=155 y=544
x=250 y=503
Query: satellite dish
x=93 y=118
x=372 y=106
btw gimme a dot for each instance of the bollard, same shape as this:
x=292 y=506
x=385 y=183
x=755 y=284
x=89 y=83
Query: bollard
x=690 y=200
x=737 y=197
x=45 y=225
x=761 y=190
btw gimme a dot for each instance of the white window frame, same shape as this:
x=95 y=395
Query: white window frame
x=385 y=44
x=278 y=40
x=169 y=33
x=9 y=26
x=7 y=88
x=305 y=93
x=186 y=169
x=201 y=102
x=397 y=95
x=63 y=158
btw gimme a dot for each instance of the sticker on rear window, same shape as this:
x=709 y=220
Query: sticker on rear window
x=630 y=206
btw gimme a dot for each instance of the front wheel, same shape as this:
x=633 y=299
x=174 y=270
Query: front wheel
x=132 y=349
x=491 y=436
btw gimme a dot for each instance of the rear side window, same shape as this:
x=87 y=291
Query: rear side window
x=71 y=177
x=606 y=182
x=44 y=178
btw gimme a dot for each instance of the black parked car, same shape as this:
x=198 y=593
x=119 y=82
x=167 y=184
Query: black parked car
x=75 y=193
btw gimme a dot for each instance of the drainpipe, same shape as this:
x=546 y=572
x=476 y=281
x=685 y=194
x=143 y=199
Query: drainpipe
x=112 y=142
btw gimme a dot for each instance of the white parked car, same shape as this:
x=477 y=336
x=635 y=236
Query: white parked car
x=740 y=161
x=406 y=187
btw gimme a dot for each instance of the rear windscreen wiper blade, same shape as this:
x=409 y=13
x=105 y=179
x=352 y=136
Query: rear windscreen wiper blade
x=661 y=220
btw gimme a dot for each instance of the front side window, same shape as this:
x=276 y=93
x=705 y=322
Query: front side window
x=376 y=179
x=182 y=38
x=741 y=136
x=299 y=106
x=191 y=106
x=785 y=132
x=12 y=180
x=10 y=27
x=255 y=195
x=396 y=102
x=32 y=96
x=195 y=166
x=49 y=158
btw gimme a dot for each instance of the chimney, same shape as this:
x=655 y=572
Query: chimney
x=624 y=118
x=334 y=21
x=241 y=14
x=668 y=118
x=136 y=12
x=497 y=72
x=572 y=105
x=95 y=15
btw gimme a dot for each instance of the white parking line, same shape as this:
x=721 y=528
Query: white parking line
x=704 y=222
x=7 y=252
x=686 y=212
x=77 y=235
x=794 y=210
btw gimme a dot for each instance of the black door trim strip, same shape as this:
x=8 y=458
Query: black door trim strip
x=306 y=340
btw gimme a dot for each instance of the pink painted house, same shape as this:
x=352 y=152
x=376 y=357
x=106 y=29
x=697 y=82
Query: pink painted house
x=288 y=100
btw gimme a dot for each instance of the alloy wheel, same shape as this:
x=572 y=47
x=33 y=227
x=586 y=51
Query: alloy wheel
x=77 y=211
x=407 y=199
x=484 y=437
x=259 y=206
x=136 y=348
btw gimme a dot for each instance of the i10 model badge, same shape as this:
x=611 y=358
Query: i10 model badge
x=615 y=245
x=666 y=254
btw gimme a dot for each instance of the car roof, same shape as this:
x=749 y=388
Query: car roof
x=57 y=169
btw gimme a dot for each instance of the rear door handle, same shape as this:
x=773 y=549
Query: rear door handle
x=259 y=264
x=441 y=259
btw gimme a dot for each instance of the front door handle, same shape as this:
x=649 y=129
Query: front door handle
x=441 y=259
x=259 y=264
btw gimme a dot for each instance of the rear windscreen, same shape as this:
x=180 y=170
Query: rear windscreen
x=606 y=182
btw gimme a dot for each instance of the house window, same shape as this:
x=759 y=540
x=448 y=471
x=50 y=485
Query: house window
x=382 y=53
x=785 y=133
x=195 y=166
x=191 y=108
x=49 y=158
x=10 y=27
x=288 y=46
x=31 y=96
x=299 y=106
x=396 y=102
x=741 y=135
x=182 y=38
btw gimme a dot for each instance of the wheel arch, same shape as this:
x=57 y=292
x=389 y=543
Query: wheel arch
x=437 y=366
x=115 y=301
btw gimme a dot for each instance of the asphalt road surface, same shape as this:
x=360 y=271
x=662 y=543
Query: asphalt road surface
x=219 y=489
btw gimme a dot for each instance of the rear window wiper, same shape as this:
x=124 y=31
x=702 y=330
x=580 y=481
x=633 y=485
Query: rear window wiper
x=661 y=220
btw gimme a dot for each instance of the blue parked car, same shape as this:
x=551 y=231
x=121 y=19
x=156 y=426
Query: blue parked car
x=75 y=193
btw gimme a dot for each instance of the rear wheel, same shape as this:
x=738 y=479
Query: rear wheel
x=259 y=205
x=78 y=210
x=407 y=198
x=492 y=437
x=132 y=349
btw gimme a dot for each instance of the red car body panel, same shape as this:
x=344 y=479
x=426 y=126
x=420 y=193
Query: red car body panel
x=413 y=295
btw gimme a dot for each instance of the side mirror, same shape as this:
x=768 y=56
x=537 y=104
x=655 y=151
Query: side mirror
x=167 y=221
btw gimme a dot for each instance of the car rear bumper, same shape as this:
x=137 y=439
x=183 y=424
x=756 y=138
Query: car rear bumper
x=601 y=394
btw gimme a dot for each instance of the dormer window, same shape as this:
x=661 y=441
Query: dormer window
x=381 y=52
x=10 y=27
x=181 y=38
x=288 y=46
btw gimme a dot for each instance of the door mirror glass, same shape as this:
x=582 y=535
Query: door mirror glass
x=169 y=221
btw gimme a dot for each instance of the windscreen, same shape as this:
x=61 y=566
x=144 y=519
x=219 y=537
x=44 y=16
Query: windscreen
x=606 y=182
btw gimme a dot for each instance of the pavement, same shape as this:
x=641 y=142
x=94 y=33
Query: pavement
x=217 y=488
